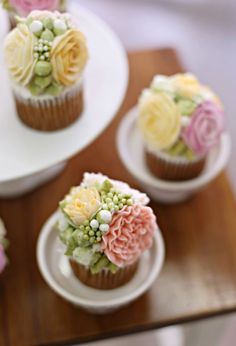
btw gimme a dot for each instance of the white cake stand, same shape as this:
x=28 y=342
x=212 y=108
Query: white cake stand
x=28 y=158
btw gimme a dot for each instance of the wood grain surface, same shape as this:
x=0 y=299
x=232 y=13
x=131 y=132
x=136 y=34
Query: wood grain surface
x=199 y=276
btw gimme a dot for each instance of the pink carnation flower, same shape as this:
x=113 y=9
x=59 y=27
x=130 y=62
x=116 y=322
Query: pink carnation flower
x=3 y=259
x=205 y=128
x=130 y=234
x=24 y=7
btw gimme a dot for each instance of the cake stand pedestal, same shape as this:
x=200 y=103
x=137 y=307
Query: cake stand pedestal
x=29 y=158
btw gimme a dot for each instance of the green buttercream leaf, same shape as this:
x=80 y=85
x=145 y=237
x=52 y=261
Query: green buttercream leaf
x=48 y=23
x=43 y=82
x=113 y=268
x=186 y=106
x=43 y=68
x=102 y=263
x=54 y=89
x=35 y=89
x=47 y=35
x=5 y=243
x=66 y=235
x=107 y=185
x=180 y=149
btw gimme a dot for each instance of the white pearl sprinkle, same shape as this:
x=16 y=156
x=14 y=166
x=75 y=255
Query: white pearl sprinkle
x=45 y=48
x=59 y=24
x=105 y=215
x=94 y=224
x=104 y=227
x=185 y=121
x=36 y=26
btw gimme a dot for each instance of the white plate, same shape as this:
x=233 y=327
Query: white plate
x=55 y=269
x=24 y=151
x=131 y=151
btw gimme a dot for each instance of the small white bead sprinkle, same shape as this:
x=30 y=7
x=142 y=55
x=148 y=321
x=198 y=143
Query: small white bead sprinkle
x=185 y=121
x=94 y=224
x=104 y=227
x=105 y=215
x=45 y=48
x=36 y=26
x=42 y=57
x=59 y=24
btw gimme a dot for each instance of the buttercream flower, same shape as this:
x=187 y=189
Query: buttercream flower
x=3 y=258
x=130 y=234
x=69 y=55
x=94 y=179
x=208 y=95
x=205 y=128
x=186 y=84
x=19 y=54
x=82 y=204
x=159 y=120
x=23 y=7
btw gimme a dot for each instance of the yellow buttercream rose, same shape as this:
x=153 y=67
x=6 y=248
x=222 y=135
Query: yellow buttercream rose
x=69 y=55
x=186 y=85
x=82 y=205
x=19 y=54
x=159 y=120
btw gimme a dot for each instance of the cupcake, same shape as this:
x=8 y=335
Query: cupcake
x=24 y=7
x=105 y=227
x=3 y=246
x=180 y=121
x=46 y=55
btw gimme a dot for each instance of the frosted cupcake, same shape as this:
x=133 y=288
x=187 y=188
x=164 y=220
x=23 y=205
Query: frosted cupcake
x=180 y=121
x=24 y=7
x=46 y=56
x=105 y=226
x=3 y=246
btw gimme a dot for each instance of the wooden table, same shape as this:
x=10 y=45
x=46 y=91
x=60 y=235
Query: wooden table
x=199 y=276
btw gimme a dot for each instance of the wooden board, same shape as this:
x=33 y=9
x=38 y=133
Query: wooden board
x=199 y=277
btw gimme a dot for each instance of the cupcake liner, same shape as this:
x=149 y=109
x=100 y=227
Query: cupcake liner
x=50 y=113
x=105 y=279
x=168 y=168
x=12 y=21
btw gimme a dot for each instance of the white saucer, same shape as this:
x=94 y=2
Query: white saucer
x=55 y=269
x=131 y=151
x=23 y=151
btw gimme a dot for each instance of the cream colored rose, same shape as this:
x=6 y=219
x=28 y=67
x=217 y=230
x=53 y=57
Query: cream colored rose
x=159 y=120
x=69 y=55
x=82 y=205
x=186 y=85
x=19 y=54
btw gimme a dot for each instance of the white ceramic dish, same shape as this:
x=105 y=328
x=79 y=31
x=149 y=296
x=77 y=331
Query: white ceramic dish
x=54 y=267
x=23 y=151
x=131 y=151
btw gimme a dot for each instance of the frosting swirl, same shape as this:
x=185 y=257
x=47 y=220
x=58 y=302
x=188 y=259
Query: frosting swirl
x=159 y=120
x=19 y=54
x=69 y=55
x=82 y=205
x=186 y=84
x=131 y=233
x=205 y=128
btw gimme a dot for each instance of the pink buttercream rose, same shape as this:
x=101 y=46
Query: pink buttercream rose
x=3 y=259
x=24 y=7
x=130 y=233
x=205 y=128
